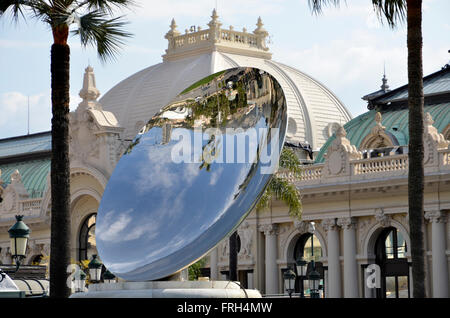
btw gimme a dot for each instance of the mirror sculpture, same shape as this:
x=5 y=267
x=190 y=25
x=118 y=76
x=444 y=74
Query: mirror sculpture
x=192 y=174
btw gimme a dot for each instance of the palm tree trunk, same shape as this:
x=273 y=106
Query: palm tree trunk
x=60 y=172
x=233 y=256
x=415 y=154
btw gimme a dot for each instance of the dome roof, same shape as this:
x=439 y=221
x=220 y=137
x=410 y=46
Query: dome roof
x=312 y=108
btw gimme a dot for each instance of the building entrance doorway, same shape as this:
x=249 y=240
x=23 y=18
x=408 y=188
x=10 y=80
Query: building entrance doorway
x=390 y=251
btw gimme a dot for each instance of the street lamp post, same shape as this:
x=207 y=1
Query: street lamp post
x=314 y=279
x=109 y=277
x=18 y=234
x=95 y=269
x=289 y=281
x=301 y=266
x=80 y=281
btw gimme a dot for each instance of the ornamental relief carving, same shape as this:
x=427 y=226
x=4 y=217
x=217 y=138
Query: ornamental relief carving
x=433 y=141
x=245 y=233
x=5 y=255
x=382 y=218
x=363 y=227
x=340 y=152
x=224 y=250
x=283 y=235
x=9 y=201
x=378 y=137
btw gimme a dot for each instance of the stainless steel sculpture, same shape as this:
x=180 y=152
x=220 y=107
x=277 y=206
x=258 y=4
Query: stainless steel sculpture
x=192 y=174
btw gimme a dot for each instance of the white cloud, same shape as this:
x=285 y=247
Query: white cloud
x=202 y=8
x=14 y=112
x=111 y=229
x=15 y=44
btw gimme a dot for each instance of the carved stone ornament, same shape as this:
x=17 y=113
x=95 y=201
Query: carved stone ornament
x=378 y=137
x=304 y=227
x=269 y=229
x=347 y=223
x=330 y=225
x=433 y=141
x=245 y=233
x=436 y=216
x=339 y=154
x=383 y=219
x=94 y=133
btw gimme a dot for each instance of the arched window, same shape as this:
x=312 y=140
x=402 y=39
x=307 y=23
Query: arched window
x=86 y=239
x=308 y=246
x=390 y=250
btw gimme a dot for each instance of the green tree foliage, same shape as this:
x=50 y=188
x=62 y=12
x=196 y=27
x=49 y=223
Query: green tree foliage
x=281 y=189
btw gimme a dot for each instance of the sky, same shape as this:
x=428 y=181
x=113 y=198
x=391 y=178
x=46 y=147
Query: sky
x=345 y=49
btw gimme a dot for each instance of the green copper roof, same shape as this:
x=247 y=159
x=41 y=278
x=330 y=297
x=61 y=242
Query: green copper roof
x=395 y=121
x=34 y=175
x=25 y=144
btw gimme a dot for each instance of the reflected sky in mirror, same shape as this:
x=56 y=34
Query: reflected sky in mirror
x=191 y=175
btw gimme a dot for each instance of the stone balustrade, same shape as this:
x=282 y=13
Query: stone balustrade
x=30 y=206
x=371 y=168
x=216 y=38
x=26 y=207
x=379 y=165
x=191 y=39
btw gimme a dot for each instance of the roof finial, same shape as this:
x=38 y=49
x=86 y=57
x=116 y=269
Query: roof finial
x=173 y=30
x=259 y=26
x=214 y=23
x=384 y=86
x=89 y=92
x=173 y=25
x=214 y=16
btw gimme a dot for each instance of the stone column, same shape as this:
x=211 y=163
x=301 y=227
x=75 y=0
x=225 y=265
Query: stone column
x=334 y=267
x=213 y=258
x=439 y=259
x=350 y=265
x=271 y=251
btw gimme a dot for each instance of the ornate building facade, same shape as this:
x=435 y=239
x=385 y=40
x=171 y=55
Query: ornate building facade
x=353 y=186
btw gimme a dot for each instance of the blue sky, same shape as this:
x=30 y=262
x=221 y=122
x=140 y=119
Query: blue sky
x=344 y=48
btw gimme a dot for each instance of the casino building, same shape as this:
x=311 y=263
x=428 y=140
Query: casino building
x=354 y=182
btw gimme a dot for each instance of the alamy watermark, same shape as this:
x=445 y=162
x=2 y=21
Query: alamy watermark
x=234 y=145
x=373 y=279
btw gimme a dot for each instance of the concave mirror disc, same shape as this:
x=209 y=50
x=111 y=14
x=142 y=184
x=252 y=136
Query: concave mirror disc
x=192 y=174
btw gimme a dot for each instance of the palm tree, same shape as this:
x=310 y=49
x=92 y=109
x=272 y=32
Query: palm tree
x=96 y=27
x=278 y=188
x=394 y=11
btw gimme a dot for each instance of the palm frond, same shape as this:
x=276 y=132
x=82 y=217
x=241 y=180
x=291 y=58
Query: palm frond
x=264 y=200
x=284 y=191
x=281 y=189
x=106 y=5
x=289 y=161
x=107 y=35
x=394 y=11
x=317 y=5
x=15 y=6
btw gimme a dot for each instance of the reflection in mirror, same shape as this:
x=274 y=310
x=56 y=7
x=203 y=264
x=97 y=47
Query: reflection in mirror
x=192 y=174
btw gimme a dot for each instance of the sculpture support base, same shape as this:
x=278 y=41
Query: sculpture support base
x=169 y=289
